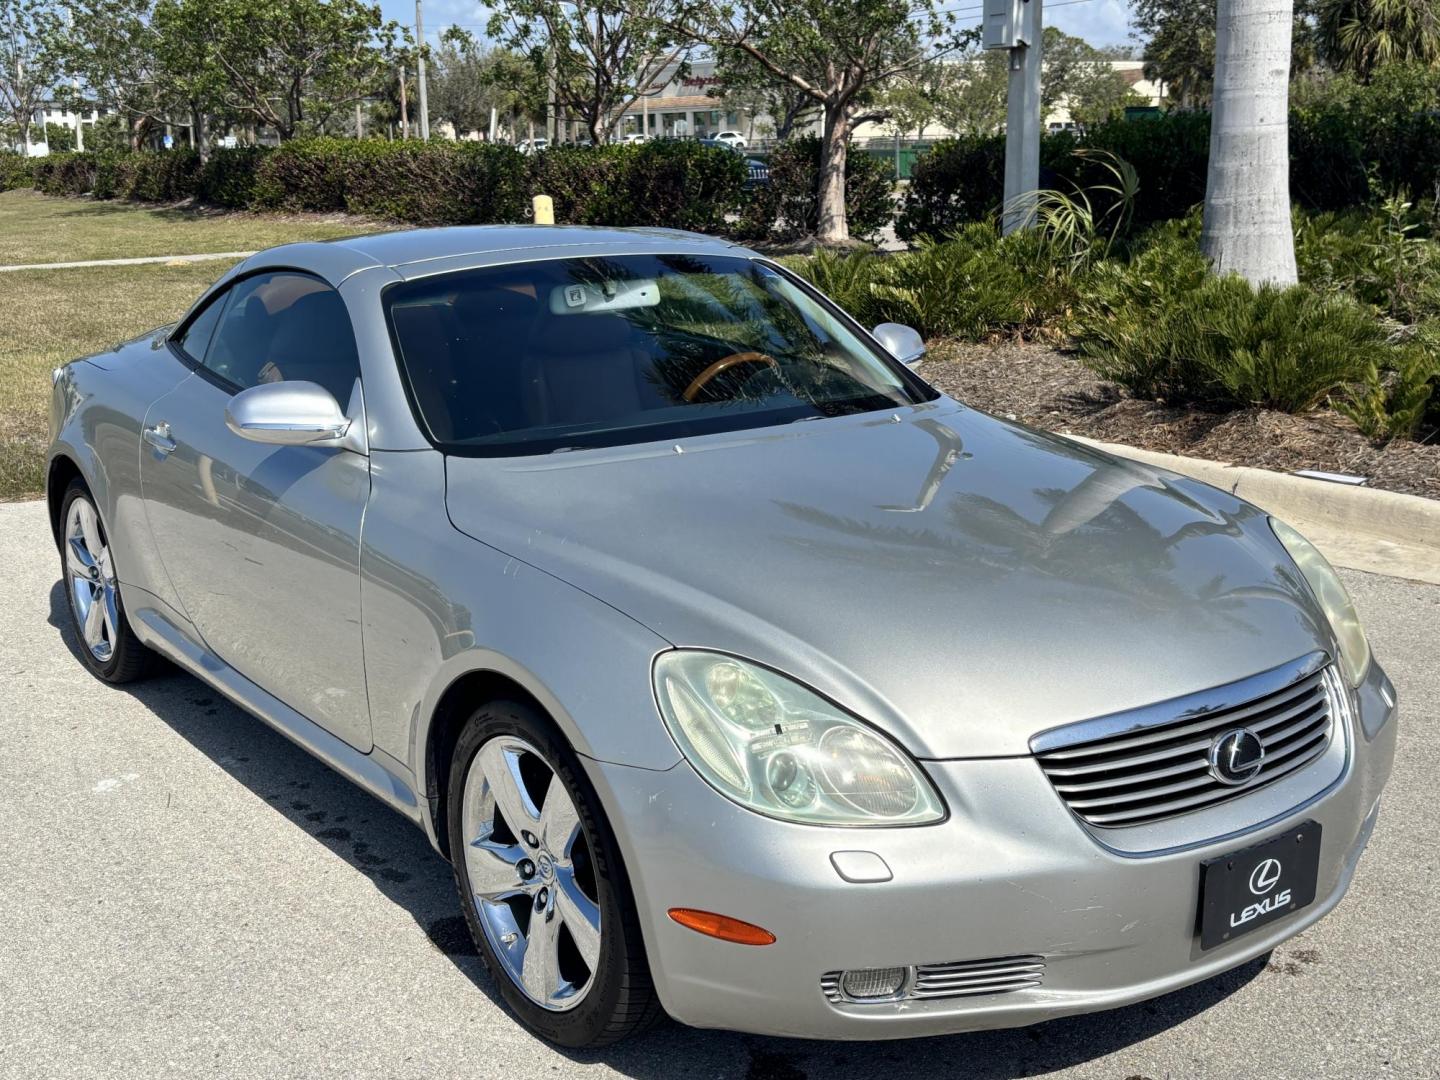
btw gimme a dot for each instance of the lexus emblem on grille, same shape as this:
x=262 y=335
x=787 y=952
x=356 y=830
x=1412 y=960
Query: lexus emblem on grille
x=1236 y=756
x=1264 y=877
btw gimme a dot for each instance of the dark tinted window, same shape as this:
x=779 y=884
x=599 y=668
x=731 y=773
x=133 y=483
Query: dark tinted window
x=286 y=326
x=572 y=353
x=196 y=338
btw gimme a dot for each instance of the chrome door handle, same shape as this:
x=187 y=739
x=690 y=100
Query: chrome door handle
x=158 y=436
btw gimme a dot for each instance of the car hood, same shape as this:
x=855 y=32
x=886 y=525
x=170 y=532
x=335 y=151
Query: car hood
x=960 y=581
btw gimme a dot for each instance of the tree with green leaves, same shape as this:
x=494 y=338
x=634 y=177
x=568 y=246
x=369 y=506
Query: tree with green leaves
x=110 y=51
x=973 y=98
x=468 y=79
x=1179 y=41
x=913 y=101
x=747 y=87
x=600 y=54
x=842 y=54
x=1081 y=78
x=293 y=65
x=1358 y=36
x=29 y=64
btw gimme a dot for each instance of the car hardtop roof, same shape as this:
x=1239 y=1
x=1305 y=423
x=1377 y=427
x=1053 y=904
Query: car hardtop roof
x=419 y=252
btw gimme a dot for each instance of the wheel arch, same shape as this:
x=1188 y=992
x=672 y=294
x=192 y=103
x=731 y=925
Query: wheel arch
x=62 y=471
x=465 y=693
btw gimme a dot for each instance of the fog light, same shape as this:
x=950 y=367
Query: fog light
x=867 y=983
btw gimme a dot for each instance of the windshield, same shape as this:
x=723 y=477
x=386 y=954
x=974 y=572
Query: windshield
x=574 y=353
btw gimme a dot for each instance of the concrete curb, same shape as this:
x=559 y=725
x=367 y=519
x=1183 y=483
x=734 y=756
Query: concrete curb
x=1361 y=528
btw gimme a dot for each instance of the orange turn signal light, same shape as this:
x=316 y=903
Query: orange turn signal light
x=722 y=927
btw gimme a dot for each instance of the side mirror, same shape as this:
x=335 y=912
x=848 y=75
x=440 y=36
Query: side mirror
x=901 y=342
x=287 y=414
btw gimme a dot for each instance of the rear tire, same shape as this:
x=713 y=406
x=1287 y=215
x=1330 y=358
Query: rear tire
x=107 y=645
x=545 y=895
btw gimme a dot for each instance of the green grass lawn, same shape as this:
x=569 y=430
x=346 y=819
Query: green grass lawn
x=50 y=316
x=37 y=228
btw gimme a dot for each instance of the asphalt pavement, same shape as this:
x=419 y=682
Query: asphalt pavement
x=183 y=893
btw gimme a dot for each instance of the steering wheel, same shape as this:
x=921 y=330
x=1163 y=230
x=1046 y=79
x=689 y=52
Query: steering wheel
x=700 y=381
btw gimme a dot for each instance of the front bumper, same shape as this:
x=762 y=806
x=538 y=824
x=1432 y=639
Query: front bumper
x=1011 y=872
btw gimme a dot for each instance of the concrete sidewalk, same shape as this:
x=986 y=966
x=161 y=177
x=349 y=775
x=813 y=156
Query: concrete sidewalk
x=168 y=260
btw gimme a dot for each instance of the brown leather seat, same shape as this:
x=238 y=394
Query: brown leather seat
x=585 y=369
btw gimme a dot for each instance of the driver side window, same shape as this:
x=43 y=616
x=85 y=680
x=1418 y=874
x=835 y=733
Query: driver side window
x=285 y=325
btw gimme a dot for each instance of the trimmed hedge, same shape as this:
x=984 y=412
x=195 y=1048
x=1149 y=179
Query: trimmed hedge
x=15 y=171
x=675 y=184
x=963 y=180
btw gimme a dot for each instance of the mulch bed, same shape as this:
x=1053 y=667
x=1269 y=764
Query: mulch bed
x=1048 y=388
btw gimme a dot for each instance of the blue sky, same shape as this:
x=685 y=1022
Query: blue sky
x=1101 y=22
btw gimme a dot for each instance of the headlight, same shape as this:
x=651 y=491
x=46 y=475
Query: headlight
x=777 y=748
x=1333 y=600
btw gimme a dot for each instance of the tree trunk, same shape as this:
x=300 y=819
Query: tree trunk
x=197 y=132
x=1247 y=193
x=833 y=227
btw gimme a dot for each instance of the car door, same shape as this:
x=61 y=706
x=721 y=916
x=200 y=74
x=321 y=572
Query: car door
x=261 y=542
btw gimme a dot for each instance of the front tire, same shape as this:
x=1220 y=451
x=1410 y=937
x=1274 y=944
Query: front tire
x=108 y=647
x=541 y=882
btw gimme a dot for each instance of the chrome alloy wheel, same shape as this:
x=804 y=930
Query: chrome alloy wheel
x=531 y=872
x=92 y=580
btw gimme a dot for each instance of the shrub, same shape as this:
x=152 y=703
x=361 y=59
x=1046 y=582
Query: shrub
x=572 y=176
x=64 y=174
x=963 y=180
x=975 y=285
x=1402 y=397
x=147 y=177
x=435 y=183
x=788 y=207
x=1388 y=259
x=958 y=181
x=15 y=171
x=302 y=174
x=1353 y=142
x=680 y=185
x=1189 y=338
x=1170 y=155
x=228 y=177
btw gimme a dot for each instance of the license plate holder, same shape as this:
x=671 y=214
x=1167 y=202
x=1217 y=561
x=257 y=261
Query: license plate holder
x=1247 y=889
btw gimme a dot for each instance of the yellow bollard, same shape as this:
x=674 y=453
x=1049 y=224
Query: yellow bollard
x=544 y=210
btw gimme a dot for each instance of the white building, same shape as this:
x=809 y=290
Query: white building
x=50 y=112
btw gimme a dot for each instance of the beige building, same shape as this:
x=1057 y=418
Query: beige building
x=683 y=108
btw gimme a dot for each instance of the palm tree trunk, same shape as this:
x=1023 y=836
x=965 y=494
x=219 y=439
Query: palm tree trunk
x=1247 y=194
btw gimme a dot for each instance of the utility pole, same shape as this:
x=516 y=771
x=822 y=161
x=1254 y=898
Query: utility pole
x=420 y=54
x=1016 y=26
x=359 y=122
x=550 y=92
x=404 y=109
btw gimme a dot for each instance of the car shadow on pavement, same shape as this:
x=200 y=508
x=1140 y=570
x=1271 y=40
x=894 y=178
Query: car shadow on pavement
x=395 y=856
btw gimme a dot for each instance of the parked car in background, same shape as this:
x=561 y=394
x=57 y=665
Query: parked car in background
x=732 y=139
x=736 y=670
x=533 y=146
x=636 y=137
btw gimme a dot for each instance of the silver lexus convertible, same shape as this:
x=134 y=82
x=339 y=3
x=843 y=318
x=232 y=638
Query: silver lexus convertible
x=737 y=671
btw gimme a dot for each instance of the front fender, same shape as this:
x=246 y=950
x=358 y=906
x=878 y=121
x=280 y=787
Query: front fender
x=440 y=605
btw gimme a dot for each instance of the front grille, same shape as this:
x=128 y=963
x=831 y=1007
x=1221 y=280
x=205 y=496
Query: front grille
x=959 y=978
x=1159 y=766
